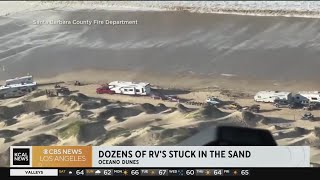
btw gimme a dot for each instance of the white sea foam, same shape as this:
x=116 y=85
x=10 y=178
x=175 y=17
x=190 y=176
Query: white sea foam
x=257 y=8
x=228 y=75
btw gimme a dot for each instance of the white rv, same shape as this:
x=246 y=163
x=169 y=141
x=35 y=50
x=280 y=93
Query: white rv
x=270 y=96
x=17 y=87
x=20 y=80
x=16 y=90
x=311 y=96
x=130 y=88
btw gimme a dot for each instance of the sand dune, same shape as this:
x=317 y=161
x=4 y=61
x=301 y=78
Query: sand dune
x=207 y=112
x=245 y=118
x=303 y=137
x=90 y=119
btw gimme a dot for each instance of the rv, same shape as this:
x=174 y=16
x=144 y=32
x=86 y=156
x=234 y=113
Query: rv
x=17 y=87
x=130 y=88
x=270 y=96
x=16 y=90
x=310 y=96
x=20 y=80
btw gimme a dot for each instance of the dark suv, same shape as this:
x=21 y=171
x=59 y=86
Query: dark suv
x=280 y=103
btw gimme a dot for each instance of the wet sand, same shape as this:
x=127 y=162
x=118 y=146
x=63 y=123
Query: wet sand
x=265 y=50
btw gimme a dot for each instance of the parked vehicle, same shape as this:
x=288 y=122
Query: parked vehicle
x=254 y=108
x=213 y=101
x=279 y=103
x=104 y=90
x=130 y=88
x=77 y=83
x=63 y=91
x=311 y=106
x=51 y=92
x=157 y=96
x=311 y=96
x=16 y=90
x=270 y=96
x=172 y=98
x=20 y=80
x=17 y=87
x=307 y=116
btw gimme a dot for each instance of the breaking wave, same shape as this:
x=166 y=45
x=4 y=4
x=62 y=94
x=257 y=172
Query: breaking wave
x=257 y=8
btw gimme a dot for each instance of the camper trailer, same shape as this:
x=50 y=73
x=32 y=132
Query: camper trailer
x=17 y=87
x=130 y=88
x=310 y=96
x=270 y=96
x=16 y=90
x=20 y=80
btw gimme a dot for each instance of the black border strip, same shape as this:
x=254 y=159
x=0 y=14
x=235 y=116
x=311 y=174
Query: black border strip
x=255 y=172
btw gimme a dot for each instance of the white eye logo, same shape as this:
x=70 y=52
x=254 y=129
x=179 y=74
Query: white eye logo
x=45 y=151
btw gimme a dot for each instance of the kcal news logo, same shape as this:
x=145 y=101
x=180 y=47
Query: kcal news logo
x=20 y=156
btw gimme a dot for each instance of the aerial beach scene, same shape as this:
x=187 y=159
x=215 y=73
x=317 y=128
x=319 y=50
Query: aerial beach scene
x=193 y=65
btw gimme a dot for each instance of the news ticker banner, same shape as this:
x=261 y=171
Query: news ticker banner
x=159 y=156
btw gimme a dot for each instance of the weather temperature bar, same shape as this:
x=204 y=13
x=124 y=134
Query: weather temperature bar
x=92 y=172
x=154 y=172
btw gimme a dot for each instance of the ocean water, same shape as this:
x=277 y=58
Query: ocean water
x=168 y=42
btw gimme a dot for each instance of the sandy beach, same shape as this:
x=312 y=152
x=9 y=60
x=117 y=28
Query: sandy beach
x=191 y=55
x=88 y=118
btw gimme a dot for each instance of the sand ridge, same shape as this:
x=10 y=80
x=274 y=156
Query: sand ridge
x=87 y=118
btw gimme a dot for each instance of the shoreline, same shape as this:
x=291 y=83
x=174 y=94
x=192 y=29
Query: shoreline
x=263 y=9
x=183 y=81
